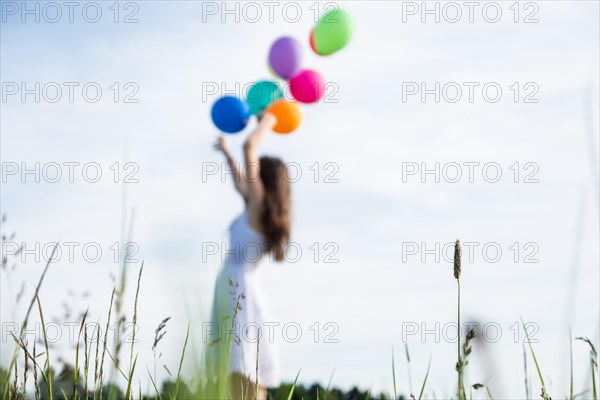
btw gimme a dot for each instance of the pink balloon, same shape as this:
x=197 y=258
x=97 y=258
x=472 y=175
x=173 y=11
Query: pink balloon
x=307 y=86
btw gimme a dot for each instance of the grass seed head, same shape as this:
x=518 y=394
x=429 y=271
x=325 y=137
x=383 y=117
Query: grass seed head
x=468 y=345
x=457 y=257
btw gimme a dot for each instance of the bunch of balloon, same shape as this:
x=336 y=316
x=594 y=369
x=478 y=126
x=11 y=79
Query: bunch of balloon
x=332 y=33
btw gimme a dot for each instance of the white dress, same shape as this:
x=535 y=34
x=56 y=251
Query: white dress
x=237 y=287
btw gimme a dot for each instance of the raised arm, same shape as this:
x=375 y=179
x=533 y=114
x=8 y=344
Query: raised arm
x=254 y=187
x=239 y=179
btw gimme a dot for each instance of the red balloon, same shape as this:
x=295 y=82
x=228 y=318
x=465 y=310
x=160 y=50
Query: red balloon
x=311 y=39
x=307 y=86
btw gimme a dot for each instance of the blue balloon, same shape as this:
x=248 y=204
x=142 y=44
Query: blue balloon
x=230 y=114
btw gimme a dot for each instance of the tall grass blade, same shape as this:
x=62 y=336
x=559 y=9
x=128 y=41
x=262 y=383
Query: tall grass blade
x=86 y=359
x=16 y=381
x=571 y=397
x=187 y=335
x=457 y=269
x=526 y=372
x=123 y=374
x=135 y=304
x=223 y=375
x=120 y=292
x=132 y=362
x=593 y=364
x=96 y=365
x=26 y=319
x=76 y=368
x=104 y=343
x=154 y=384
x=394 y=374
x=33 y=359
x=35 y=375
x=328 y=385
x=459 y=363
x=25 y=373
x=47 y=365
x=410 y=387
x=256 y=376
x=545 y=394
x=37 y=291
x=425 y=380
x=128 y=394
x=489 y=393
x=294 y=386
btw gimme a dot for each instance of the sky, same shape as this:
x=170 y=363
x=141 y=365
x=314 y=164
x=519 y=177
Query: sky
x=370 y=220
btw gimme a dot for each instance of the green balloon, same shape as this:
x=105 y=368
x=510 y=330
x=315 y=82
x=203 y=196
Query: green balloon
x=261 y=94
x=333 y=32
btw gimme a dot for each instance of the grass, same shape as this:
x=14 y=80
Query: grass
x=328 y=385
x=460 y=362
x=132 y=363
x=45 y=337
x=394 y=374
x=5 y=391
x=407 y=354
x=205 y=389
x=571 y=393
x=526 y=373
x=425 y=380
x=76 y=369
x=187 y=336
x=104 y=348
x=593 y=364
x=293 y=386
x=544 y=394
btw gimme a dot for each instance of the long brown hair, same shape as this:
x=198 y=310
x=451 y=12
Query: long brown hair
x=275 y=214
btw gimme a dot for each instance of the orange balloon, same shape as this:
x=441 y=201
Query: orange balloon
x=289 y=115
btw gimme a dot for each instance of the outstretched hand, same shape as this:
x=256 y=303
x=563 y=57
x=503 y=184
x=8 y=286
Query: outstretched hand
x=266 y=121
x=221 y=144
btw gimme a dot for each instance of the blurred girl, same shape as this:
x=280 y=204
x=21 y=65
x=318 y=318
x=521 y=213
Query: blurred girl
x=263 y=228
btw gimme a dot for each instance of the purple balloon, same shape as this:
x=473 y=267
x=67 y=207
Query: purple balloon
x=285 y=57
